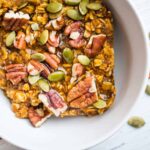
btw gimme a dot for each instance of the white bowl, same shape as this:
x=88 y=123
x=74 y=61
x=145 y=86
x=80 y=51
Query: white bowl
x=80 y=133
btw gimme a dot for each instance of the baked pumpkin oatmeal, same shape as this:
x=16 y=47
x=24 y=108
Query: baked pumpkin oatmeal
x=57 y=58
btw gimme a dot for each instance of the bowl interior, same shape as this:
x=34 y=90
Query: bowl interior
x=79 y=133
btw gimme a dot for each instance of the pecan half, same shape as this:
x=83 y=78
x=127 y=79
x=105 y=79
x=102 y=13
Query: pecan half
x=77 y=71
x=14 y=21
x=81 y=88
x=35 y=118
x=83 y=94
x=84 y=101
x=54 y=102
x=46 y=70
x=53 y=42
x=72 y=28
x=15 y=67
x=76 y=35
x=34 y=67
x=56 y=24
x=95 y=44
x=20 y=42
x=15 y=73
x=16 y=80
x=78 y=43
x=52 y=60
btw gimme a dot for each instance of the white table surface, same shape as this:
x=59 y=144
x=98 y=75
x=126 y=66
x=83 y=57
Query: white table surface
x=127 y=138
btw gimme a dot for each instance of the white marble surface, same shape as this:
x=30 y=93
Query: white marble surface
x=127 y=138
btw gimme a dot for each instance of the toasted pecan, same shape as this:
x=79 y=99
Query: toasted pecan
x=55 y=24
x=15 y=73
x=35 y=118
x=95 y=45
x=53 y=102
x=52 y=60
x=83 y=94
x=79 y=41
x=80 y=89
x=20 y=42
x=14 y=21
x=84 y=101
x=77 y=70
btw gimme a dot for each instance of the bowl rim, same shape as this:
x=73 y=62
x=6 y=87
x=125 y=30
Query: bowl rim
x=146 y=73
x=144 y=82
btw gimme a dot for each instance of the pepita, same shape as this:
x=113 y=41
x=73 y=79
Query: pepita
x=147 y=90
x=84 y=60
x=33 y=79
x=74 y=14
x=83 y=6
x=22 y=5
x=44 y=37
x=100 y=104
x=56 y=76
x=136 y=122
x=38 y=56
x=54 y=7
x=44 y=85
x=72 y=2
x=35 y=26
x=94 y=6
x=68 y=55
x=10 y=38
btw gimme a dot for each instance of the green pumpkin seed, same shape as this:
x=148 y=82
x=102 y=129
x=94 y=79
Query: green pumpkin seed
x=136 y=122
x=56 y=76
x=44 y=85
x=33 y=79
x=100 y=104
x=54 y=7
x=94 y=6
x=22 y=5
x=84 y=60
x=147 y=90
x=74 y=14
x=44 y=37
x=35 y=26
x=10 y=38
x=83 y=7
x=68 y=55
x=38 y=56
x=72 y=2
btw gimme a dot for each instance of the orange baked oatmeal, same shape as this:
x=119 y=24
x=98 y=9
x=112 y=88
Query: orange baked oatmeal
x=57 y=58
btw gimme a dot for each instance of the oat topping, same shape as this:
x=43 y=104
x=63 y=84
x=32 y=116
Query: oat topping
x=57 y=58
